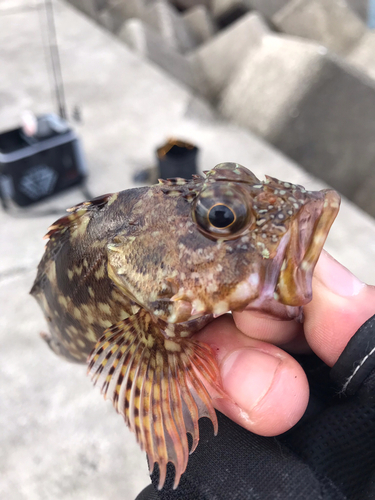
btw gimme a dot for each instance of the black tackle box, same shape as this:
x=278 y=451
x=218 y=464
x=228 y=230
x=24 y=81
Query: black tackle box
x=36 y=167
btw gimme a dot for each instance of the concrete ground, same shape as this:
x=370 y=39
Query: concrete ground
x=59 y=439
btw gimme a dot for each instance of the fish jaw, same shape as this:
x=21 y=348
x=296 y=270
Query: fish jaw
x=288 y=279
x=308 y=234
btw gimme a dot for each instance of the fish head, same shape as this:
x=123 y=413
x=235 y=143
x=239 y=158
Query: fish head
x=226 y=242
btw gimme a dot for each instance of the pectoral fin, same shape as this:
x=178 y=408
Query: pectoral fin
x=153 y=382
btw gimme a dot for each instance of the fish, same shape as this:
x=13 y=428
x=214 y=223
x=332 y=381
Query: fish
x=128 y=278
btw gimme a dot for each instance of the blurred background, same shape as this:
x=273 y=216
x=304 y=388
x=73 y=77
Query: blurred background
x=91 y=91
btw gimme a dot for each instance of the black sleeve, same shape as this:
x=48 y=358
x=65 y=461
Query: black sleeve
x=328 y=455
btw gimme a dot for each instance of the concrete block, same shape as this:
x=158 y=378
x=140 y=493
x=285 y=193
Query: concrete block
x=105 y=19
x=226 y=12
x=220 y=8
x=121 y=10
x=215 y=61
x=255 y=96
x=89 y=7
x=149 y=44
x=188 y=4
x=267 y=7
x=128 y=8
x=118 y=11
x=362 y=55
x=364 y=196
x=310 y=105
x=329 y=22
x=200 y=23
x=360 y=7
x=170 y=25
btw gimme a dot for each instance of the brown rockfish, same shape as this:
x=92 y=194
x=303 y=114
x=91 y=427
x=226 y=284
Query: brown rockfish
x=128 y=278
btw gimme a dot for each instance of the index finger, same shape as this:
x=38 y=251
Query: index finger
x=341 y=304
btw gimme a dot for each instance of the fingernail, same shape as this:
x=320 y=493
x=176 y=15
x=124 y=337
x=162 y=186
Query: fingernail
x=336 y=277
x=247 y=376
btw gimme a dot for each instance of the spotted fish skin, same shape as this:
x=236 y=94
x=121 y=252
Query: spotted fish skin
x=128 y=278
x=72 y=284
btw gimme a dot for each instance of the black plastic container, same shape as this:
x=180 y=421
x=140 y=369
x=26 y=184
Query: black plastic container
x=177 y=159
x=34 y=168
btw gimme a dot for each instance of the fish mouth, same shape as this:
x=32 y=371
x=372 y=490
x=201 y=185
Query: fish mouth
x=287 y=283
x=307 y=235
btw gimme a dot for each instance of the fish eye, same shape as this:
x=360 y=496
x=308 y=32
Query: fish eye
x=223 y=210
x=221 y=216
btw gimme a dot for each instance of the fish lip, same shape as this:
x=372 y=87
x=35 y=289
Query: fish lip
x=308 y=232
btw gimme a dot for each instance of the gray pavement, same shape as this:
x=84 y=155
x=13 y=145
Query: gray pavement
x=59 y=438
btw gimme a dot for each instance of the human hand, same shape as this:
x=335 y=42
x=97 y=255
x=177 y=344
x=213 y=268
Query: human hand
x=268 y=389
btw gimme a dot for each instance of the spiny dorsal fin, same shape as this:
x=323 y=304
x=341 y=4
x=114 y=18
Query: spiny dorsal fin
x=98 y=202
x=190 y=196
x=62 y=224
x=174 y=181
x=75 y=213
x=153 y=382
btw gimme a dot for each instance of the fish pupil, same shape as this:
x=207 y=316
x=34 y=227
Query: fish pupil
x=221 y=216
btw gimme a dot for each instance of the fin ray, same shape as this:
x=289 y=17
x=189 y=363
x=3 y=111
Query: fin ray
x=158 y=387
